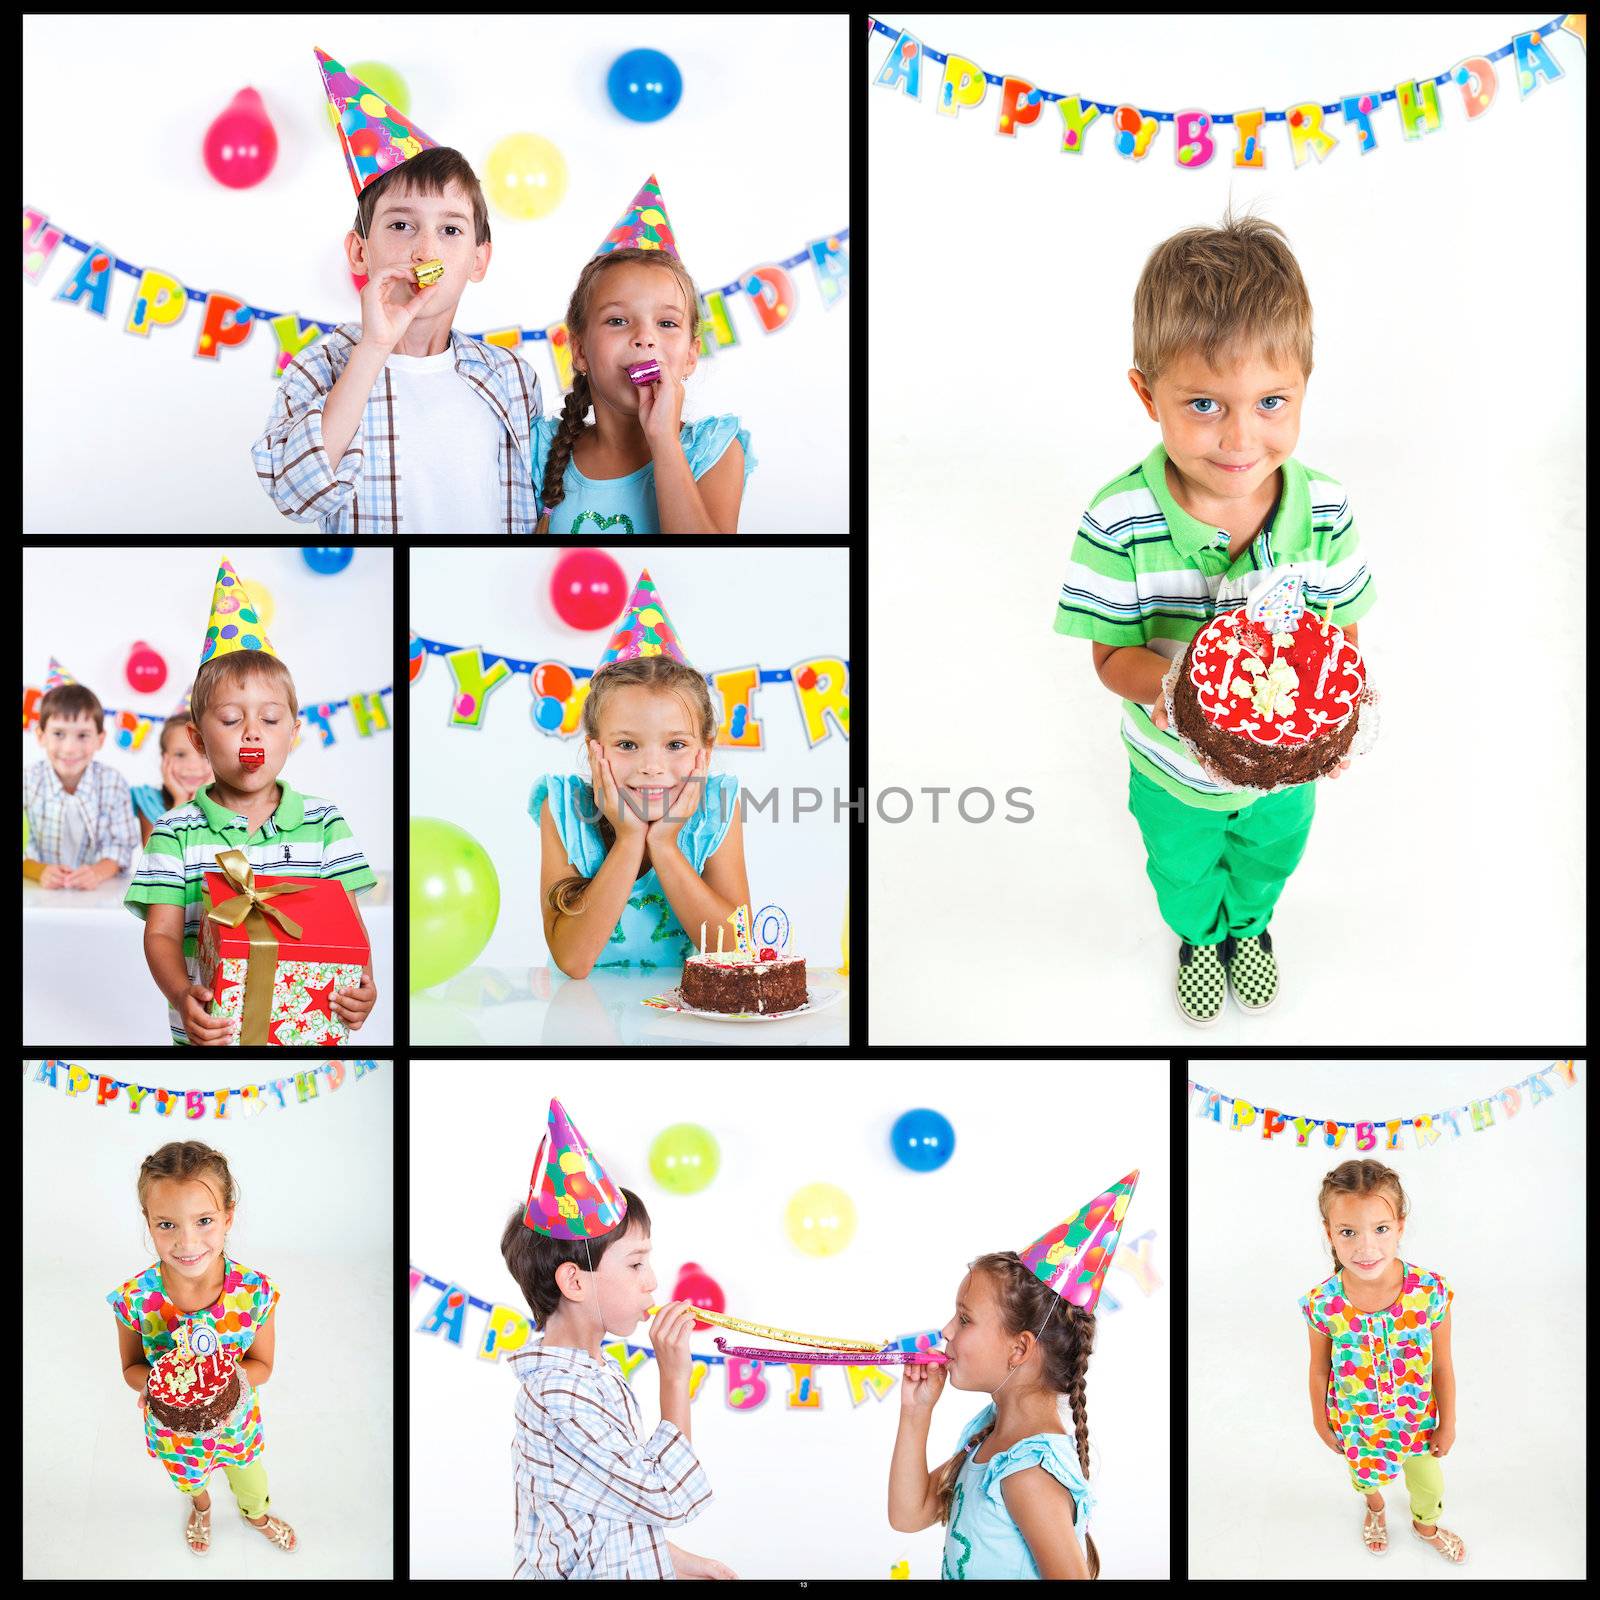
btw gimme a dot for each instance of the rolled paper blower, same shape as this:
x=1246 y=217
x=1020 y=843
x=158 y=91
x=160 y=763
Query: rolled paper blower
x=428 y=272
x=645 y=371
x=252 y=758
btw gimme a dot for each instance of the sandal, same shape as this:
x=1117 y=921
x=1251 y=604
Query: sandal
x=1374 y=1532
x=277 y=1530
x=198 y=1530
x=1449 y=1545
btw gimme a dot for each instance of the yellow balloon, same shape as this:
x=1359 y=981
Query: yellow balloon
x=844 y=939
x=525 y=176
x=262 y=596
x=821 y=1219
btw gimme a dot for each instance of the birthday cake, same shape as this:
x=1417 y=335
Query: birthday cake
x=762 y=983
x=190 y=1392
x=1266 y=695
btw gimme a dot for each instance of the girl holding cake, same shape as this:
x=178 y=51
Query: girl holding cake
x=651 y=843
x=184 y=1327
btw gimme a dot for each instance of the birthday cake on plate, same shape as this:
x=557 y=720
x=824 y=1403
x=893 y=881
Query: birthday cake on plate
x=195 y=1386
x=753 y=977
x=1267 y=695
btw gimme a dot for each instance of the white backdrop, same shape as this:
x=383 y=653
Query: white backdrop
x=1000 y=354
x=1499 y=1213
x=797 y=1495
x=773 y=608
x=752 y=166
x=315 y=1215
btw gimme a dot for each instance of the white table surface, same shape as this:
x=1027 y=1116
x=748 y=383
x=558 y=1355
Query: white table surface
x=540 y=1005
x=84 y=978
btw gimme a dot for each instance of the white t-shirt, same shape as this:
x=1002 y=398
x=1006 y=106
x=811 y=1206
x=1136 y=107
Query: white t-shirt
x=446 y=449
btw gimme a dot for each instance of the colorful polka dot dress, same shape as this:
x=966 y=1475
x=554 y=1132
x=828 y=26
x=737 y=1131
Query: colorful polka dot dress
x=1380 y=1390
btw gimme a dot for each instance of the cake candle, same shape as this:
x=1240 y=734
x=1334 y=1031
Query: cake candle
x=702 y=941
x=719 y=938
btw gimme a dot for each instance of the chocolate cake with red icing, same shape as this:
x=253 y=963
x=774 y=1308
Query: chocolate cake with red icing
x=193 y=1393
x=1267 y=694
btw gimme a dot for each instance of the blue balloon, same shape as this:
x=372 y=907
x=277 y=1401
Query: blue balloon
x=922 y=1139
x=644 y=85
x=327 y=558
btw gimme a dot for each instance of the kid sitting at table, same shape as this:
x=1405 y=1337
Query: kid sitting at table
x=183 y=770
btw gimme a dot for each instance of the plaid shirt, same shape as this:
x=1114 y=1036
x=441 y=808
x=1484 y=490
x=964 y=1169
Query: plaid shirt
x=592 y=1501
x=111 y=831
x=361 y=495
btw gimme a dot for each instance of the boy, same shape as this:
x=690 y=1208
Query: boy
x=81 y=827
x=403 y=425
x=592 y=1499
x=1222 y=350
x=243 y=716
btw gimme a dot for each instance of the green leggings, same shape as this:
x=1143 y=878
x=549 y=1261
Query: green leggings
x=1425 y=1482
x=249 y=1485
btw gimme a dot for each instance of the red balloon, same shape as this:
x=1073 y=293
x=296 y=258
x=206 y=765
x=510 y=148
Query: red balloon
x=146 y=670
x=588 y=589
x=241 y=146
x=553 y=679
x=699 y=1288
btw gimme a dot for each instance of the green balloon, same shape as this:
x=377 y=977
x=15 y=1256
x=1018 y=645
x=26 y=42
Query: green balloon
x=385 y=81
x=455 y=898
x=684 y=1158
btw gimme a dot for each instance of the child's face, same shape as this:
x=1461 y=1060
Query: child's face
x=626 y=1283
x=246 y=716
x=639 y=312
x=408 y=229
x=183 y=768
x=1248 y=416
x=187 y=1226
x=977 y=1345
x=646 y=737
x=69 y=744
x=1364 y=1234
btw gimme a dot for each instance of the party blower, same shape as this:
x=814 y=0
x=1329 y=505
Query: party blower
x=826 y=1348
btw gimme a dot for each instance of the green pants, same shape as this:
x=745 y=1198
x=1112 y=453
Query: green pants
x=1425 y=1484
x=1218 y=873
x=249 y=1485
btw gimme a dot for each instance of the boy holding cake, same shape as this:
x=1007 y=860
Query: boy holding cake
x=593 y=1498
x=1222 y=347
x=243 y=715
x=399 y=424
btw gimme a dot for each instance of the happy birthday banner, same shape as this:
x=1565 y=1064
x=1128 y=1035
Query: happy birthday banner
x=230 y=1105
x=1430 y=1128
x=821 y=685
x=129 y=728
x=160 y=300
x=746 y=1388
x=1195 y=136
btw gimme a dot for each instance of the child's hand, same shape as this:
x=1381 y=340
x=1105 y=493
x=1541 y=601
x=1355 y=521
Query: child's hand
x=386 y=307
x=624 y=819
x=688 y=1565
x=143 y=1398
x=1332 y=1440
x=53 y=877
x=354 y=1005
x=1444 y=1436
x=669 y=1334
x=921 y=1384
x=685 y=802
x=198 y=1023
x=1158 y=713
x=1343 y=763
x=82 y=878
x=661 y=411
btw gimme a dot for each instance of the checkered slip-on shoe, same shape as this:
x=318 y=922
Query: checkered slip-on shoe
x=1202 y=986
x=1252 y=970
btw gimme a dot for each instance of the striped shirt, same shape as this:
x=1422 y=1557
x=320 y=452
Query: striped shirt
x=1145 y=572
x=361 y=496
x=93 y=823
x=592 y=1500
x=303 y=838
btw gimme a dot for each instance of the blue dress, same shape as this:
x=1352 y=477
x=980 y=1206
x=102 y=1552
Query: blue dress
x=981 y=1540
x=615 y=506
x=147 y=801
x=649 y=933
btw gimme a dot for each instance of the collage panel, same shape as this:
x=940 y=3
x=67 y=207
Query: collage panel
x=208 y=1276
x=629 y=797
x=208 y=796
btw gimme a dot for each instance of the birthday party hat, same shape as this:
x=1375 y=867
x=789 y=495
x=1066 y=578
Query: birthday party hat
x=1073 y=1256
x=644 y=629
x=374 y=136
x=644 y=225
x=234 y=623
x=57 y=677
x=570 y=1195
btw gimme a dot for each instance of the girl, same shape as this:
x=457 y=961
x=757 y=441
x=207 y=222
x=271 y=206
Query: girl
x=650 y=845
x=1384 y=1324
x=188 y=1198
x=638 y=468
x=183 y=770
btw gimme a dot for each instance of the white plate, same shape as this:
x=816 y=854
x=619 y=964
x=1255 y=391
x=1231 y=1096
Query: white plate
x=672 y=1000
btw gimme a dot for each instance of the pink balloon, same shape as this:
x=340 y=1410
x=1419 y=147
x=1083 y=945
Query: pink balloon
x=241 y=145
x=588 y=589
x=146 y=670
x=699 y=1288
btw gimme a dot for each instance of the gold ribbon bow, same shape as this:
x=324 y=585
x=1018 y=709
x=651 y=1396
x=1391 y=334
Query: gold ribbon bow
x=252 y=907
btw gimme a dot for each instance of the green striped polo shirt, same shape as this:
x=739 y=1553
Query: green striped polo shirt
x=304 y=838
x=1145 y=572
